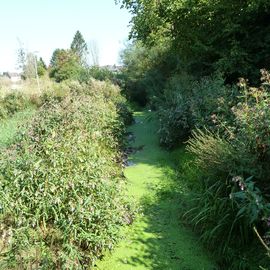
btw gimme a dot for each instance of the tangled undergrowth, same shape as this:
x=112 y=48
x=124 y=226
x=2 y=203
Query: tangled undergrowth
x=230 y=205
x=61 y=188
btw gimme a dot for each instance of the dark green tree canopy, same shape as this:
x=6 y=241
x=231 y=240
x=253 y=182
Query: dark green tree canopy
x=64 y=65
x=226 y=35
x=56 y=57
x=41 y=67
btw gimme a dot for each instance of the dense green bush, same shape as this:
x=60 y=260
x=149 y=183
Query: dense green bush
x=61 y=199
x=64 y=65
x=111 y=92
x=211 y=211
x=145 y=72
x=231 y=198
x=12 y=103
x=206 y=36
x=174 y=113
x=223 y=207
x=252 y=121
x=98 y=73
x=193 y=104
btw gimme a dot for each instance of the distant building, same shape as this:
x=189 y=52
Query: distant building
x=13 y=76
x=113 y=68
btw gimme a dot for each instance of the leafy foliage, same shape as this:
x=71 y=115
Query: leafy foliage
x=11 y=104
x=193 y=104
x=203 y=46
x=41 y=67
x=145 y=72
x=69 y=64
x=61 y=198
x=98 y=73
x=64 y=65
x=235 y=162
x=207 y=35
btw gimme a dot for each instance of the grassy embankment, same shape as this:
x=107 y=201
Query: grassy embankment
x=156 y=239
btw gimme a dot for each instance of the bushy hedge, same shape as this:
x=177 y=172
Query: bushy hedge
x=12 y=103
x=230 y=201
x=228 y=134
x=192 y=104
x=98 y=73
x=28 y=95
x=61 y=189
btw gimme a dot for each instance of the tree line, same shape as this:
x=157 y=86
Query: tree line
x=71 y=63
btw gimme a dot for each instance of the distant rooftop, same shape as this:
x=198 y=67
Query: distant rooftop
x=113 y=68
x=11 y=74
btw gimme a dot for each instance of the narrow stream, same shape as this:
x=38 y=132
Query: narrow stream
x=156 y=239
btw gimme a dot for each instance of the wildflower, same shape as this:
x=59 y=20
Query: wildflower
x=241 y=185
x=242 y=82
x=237 y=179
x=257 y=201
x=214 y=118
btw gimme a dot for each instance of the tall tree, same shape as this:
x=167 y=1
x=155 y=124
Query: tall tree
x=41 y=67
x=79 y=47
x=29 y=69
x=64 y=65
x=21 y=55
x=55 y=59
x=207 y=35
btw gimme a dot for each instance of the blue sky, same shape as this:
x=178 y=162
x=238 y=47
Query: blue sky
x=44 y=25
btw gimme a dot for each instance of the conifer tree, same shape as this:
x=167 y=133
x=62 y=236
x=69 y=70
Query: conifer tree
x=41 y=67
x=79 y=47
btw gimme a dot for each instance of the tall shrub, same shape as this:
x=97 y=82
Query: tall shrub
x=232 y=204
x=61 y=200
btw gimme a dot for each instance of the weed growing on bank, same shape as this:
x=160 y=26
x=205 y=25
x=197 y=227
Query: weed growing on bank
x=61 y=192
